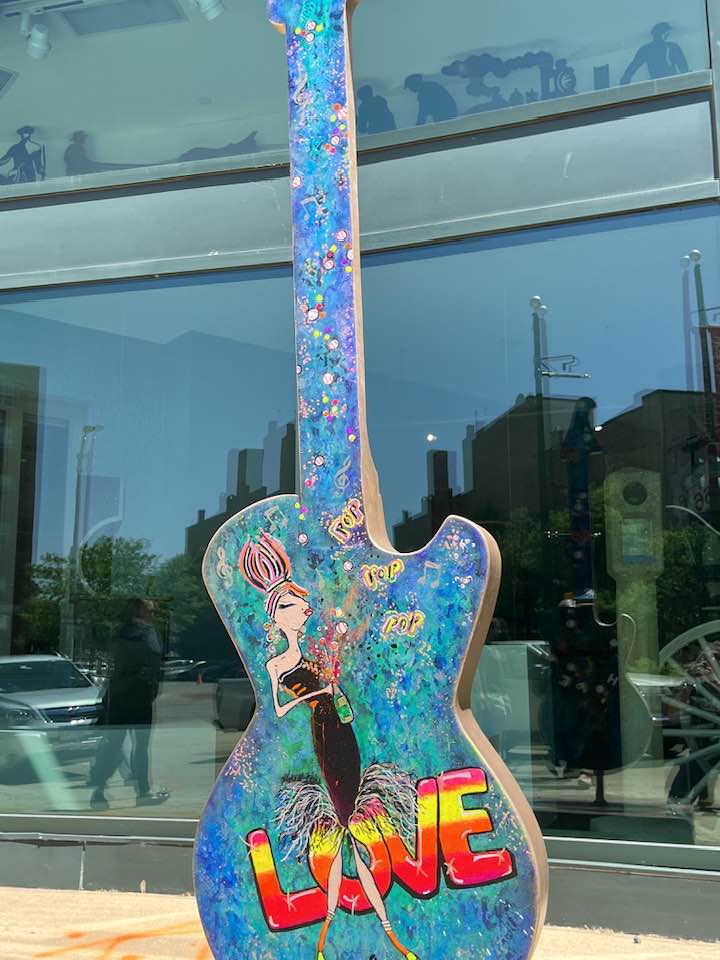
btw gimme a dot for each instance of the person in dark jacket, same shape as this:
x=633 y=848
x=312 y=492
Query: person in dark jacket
x=129 y=704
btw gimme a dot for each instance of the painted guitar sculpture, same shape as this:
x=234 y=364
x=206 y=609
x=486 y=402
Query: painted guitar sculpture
x=363 y=814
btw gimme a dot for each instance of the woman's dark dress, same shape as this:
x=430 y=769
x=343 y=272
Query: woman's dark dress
x=335 y=745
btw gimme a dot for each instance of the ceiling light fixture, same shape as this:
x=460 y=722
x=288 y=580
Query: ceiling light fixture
x=38 y=44
x=210 y=9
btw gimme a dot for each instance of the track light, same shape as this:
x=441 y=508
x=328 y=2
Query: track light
x=210 y=9
x=38 y=44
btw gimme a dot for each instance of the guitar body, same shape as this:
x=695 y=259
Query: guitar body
x=362 y=814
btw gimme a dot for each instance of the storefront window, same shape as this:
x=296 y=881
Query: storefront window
x=556 y=386
x=130 y=430
x=553 y=386
x=104 y=92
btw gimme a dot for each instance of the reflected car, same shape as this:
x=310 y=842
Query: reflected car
x=186 y=673
x=17 y=720
x=234 y=700
x=49 y=695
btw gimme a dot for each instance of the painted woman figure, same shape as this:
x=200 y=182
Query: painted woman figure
x=313 y=809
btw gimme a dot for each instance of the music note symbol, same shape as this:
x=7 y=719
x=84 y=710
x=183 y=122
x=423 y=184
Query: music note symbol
x=280 y=522
x=429 y=565
x=223 y=568
x=341 y=477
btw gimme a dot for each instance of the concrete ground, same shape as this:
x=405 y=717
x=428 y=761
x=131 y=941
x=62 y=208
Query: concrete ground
x=129 y=926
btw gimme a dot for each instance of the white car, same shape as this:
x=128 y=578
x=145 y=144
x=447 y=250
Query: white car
x=48 y=697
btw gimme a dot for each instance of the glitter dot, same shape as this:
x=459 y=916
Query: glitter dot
x=348 y=269
x=342 y=235
x=347 y=565
x=309 y=37
x=302 y=516
x=333 y=345
x=325 y=398
x=341 y=628
x=310 y=25
x=326 y=337
x=320 y=28
x=308 y=482
x=335 y=402
x=352 y=438
x=316 y=333
x=298 y=31
x=297 y=506
x=328 y=378
x=298 y=369
x=333 y=117
x=319 y=461
x=335 y=141
x=302 y=538
x=303 y=510
x=318 y=298
x=329 y=264
x=296 y=181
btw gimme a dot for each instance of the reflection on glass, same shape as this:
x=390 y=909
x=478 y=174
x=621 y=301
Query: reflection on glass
x=128 y=434
x=124 y=85
x=524 y=53
x=581 y=429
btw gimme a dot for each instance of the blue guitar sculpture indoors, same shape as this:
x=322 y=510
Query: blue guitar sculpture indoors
x=362 y=814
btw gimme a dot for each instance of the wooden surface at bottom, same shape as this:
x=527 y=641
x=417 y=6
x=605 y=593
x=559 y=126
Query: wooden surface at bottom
x=74 y=925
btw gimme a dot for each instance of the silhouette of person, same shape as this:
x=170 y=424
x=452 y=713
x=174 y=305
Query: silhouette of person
x=28 y=164
x=434 y=102
x=76 y=156
x=374 y=115
x=661 y=57
x=132 y=689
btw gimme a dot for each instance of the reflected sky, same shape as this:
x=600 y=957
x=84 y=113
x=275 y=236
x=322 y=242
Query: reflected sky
x=181 y=371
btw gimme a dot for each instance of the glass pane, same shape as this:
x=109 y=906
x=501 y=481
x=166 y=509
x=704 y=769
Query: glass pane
x=129 y=87
x=475 y=57
x=104 y=92
x=555 y=386
x=129 y=431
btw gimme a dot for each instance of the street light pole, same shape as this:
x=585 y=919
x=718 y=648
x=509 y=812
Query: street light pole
x=708 y=406
x=538 y=312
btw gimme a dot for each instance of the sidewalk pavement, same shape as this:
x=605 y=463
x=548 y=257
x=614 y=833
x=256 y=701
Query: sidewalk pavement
x=75 y=925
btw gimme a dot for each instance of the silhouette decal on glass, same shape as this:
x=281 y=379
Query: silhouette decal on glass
x=434 y=102
x=374 y=115
x=662 y=57
x=27 y=158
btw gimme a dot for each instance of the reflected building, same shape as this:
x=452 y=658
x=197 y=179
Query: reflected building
x=249 y=470
x=19 y=412
x=660 y=433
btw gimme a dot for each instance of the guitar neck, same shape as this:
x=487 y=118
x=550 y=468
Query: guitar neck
x=328 y=314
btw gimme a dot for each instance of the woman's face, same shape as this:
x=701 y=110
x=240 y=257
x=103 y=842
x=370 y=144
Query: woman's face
x=292 y=612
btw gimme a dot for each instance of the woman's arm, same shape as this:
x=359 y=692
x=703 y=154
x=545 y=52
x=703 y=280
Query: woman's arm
x=282 y=708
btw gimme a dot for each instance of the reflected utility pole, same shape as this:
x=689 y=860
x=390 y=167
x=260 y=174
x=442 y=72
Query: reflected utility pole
x=710 y=439
x=544 y=368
